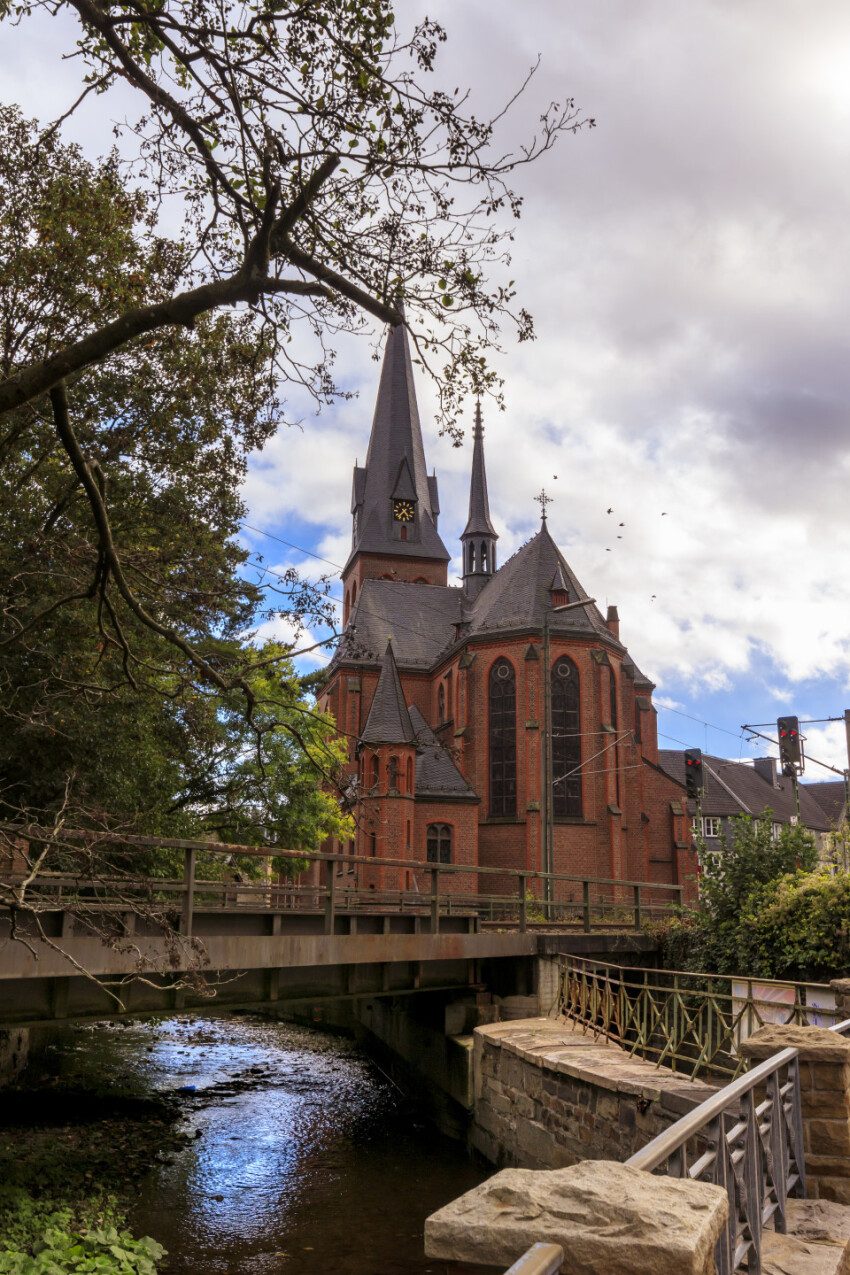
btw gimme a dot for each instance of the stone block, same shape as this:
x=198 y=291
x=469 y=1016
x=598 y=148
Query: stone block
x=815 y=1044
x=830 y=1137
x=607 y=1217
x=819 y=1220
x=534 y=1141
x=787 y=1255
x=827 y=1166
x=835 y=1189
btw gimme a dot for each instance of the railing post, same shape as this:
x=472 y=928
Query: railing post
x=435 y=900
x=523 y=905
x=330 y=880
x=189 y=862
x=637 y=907
x=586 y=903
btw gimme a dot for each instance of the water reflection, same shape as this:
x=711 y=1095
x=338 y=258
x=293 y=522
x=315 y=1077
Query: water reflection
x=306 y=1158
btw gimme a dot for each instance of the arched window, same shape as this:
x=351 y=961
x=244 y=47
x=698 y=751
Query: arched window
x=376 y=771
x=471 y=556
x=502 y=700
x=409 y=784
x=373 y=844
x=346 y=608
x=354 y=593
x=438 y=844
x=483 y=555
x=441 y=703
x=566 y=738
x=393 y=772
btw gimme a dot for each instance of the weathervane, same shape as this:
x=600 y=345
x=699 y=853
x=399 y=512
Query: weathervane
x=543 y=500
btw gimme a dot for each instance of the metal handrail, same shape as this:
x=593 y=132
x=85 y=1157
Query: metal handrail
x=540 y=1259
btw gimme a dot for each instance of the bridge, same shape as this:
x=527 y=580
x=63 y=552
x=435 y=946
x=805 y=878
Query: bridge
x=96 y=942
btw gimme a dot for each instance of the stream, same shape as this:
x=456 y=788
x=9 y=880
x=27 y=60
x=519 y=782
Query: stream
x=301 y=1156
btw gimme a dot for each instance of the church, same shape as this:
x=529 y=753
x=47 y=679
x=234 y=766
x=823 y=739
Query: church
x=501 y=722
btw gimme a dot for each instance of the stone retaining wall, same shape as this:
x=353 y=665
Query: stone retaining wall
x=547 y=1095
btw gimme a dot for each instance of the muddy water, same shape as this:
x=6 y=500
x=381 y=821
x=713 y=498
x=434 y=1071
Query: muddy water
x=305 y=1157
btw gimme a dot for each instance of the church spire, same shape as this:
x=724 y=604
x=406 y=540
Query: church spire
x=389 y=720
x=479 y=536
x=394 y=502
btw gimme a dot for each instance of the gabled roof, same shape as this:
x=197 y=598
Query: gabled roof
x=830 y=796
x=519 y=594
x=388 y=721
x=395 y=446
x=420 y=618
x=478 y=523
x=436 y=773
x=733 y=788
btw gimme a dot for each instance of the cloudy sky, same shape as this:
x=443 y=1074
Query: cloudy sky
x=688 y=267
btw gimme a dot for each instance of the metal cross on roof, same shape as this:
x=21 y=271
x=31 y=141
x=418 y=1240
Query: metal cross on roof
x=543 y=500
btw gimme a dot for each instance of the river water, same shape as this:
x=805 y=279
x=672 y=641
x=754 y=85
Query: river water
x=305 y=1157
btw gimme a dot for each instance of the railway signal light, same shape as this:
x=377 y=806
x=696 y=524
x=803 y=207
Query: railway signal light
x=694 y=775
x=790 y=750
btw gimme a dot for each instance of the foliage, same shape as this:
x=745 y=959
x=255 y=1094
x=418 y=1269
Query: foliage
x=97 y=713
x=101 y=1251
x=736 y=882
x=798 y=926
x=321 y=178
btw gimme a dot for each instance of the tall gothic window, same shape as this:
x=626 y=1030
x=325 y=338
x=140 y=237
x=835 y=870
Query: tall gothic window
x=566 y=738
x=502 y=700
x=441 y=703
x=438 y=843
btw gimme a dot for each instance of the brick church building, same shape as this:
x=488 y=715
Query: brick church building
x=458 y=700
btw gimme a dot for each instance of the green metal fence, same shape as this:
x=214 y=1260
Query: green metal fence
x=692 y=1023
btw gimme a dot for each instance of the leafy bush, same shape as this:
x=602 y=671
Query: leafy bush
x=103 y=1251
x=752 y=917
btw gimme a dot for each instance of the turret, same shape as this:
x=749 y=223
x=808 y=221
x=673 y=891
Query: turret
x=479 y=536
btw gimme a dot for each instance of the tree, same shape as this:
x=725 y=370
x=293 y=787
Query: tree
x=321 y=180
x=717 y=938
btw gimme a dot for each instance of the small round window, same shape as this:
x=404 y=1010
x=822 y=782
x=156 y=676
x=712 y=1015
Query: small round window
x=503 y=670
x=564 y=670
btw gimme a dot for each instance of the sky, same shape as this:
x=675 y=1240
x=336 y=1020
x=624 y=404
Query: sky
x=687 y=263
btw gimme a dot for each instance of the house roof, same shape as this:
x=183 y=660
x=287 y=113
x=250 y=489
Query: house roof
x=395 y=466
x=436 y=774
x=388 y=721
x=733 y=788
x=830 y=796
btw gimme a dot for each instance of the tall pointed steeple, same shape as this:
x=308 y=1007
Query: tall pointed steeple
x=479 y=536
x=394 y=502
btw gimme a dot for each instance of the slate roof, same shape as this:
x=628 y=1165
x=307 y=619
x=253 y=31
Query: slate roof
x=478 y=523
x=436 y=773
x=395 y=465
x=829 y=794
x=420 y=619
x=519 y=594
x=389 y=720
x=733 y=788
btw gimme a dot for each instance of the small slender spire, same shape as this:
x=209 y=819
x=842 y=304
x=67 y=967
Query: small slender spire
x=479 y=535
x=389 y=720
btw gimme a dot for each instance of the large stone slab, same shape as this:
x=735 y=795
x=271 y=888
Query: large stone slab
x=816 y=1044
x=787 y=1255
x=819 y=1220
x=607 y=1217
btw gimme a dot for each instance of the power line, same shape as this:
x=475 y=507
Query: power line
x=711 y=726
x=290 y=545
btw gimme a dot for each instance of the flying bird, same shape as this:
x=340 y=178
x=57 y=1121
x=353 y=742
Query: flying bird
x=621 y=524
x=664 y=515
x=610 y=511
x=607 y=550
x=654 y=596
x=619 y=537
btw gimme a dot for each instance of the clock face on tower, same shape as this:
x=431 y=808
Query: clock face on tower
x=403 y=510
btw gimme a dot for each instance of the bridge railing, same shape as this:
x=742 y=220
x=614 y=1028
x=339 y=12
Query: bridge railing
x=580 y=901
x=689 y=1022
